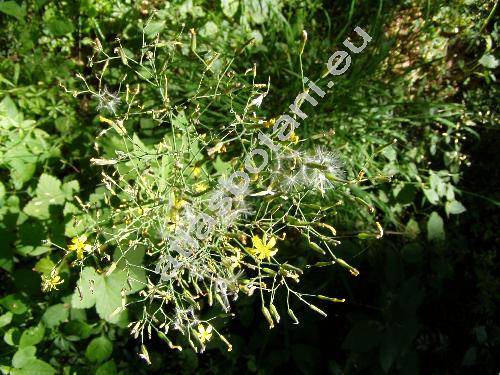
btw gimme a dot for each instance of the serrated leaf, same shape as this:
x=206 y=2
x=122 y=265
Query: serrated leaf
x=99 y=349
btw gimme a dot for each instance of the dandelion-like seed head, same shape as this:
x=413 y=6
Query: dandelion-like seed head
x=108 y=101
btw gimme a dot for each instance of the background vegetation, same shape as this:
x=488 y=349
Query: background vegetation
x=417 y=112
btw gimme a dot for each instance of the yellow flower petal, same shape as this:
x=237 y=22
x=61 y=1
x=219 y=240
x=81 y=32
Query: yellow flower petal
x=271 y=243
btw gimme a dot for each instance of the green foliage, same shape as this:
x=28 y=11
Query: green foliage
x=412 y=121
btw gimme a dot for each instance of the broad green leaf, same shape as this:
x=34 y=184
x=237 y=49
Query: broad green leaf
x=153 y=28
x=84 y=294
x=406 y=194
x=55 y=315
x=21 y=172
x=412 y=229
x=131 y=261
x=489 y=61
x=5 y=319
x=11 y=8
x=209 y=29
x=108 y=296
x=435 y=227
x=32 y=336
x=13 y=304
x=437 y=184
x=48 y=192
x=229 y=7
x=23 y=356
x=108 y=368
x=79 y=330
x=34 y=366
x=431 y=196
x=70 y=188
x=99 y=349
x=44 y=266
x=8 y=107
x=59 y=27
x=454 y=208
x=12 y=336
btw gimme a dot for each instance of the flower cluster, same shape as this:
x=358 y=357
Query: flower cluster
x=206 y=205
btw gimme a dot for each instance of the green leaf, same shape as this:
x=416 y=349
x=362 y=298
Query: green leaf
x=488 y=61
x=5 y=319
x=34 y=366
x=132 y=262
x=11 y=8
x=8 y=107
x=108 y=296
x=431 y=196
x=99 y=349
x=208 y=30
x=454 y=208
x=13 y=304
x=12 y=336
x=412 y=229
x=229 y=7
x=84 y=295
x=78 y=329
x=2 y=193
x=59 y=27
x=55 y=315
x=108 y=368
x=21 y=172
x=32 y=336
x=23 y=356
x=70 y=188
x=435 y=227
x=48 y=192
x=153 y=28
x=44 y=266
x=406 y=194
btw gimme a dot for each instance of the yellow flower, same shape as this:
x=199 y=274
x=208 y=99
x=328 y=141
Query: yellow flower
x=79 y=246
x=196 y=171
x=262 y=248
x=49 y=283
x=204 y=334
x=269 y=123
x=294 y=138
